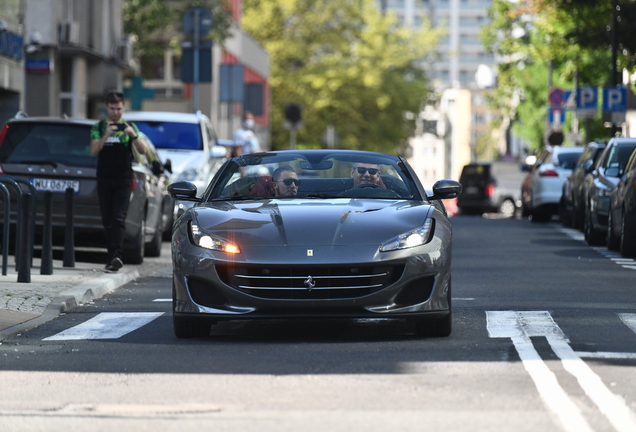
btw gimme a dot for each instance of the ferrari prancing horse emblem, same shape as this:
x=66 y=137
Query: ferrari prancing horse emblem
x=309 y=283
x=310 y=252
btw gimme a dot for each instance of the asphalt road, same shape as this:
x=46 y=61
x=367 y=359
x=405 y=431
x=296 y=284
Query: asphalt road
x=544 y=338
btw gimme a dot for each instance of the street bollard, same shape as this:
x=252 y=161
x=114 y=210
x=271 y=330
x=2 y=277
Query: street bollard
x=46 y=266
x=69 y=238
x=24 y=260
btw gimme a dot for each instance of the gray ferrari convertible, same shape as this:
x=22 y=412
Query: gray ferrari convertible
x=313 y=234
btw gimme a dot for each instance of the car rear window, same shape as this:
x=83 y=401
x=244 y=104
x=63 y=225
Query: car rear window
x=567 y=160
x=172 y=135
x=473 y=173
x=67 y=144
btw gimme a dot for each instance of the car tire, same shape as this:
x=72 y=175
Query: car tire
x=135 y=255
x=564 y=216
x=593 y=237
x=525 y=212
x=578 y=218
x=508 y=208
x=153 y=248
x=613 y=242
x=628 y=238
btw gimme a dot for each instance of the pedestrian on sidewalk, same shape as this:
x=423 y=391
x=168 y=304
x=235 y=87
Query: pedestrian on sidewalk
x=112 y=141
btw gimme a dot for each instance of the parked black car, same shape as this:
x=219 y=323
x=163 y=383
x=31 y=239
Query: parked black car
x=572 y=205
x=621 y=226
x=53 y=154
x=482 y=193
x=601 y=182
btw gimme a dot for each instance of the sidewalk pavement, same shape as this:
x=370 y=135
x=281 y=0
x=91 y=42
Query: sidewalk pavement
x=24 y=305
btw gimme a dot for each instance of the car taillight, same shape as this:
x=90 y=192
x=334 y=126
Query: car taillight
x=548 y=173
x=3 y=133
x=489 y=190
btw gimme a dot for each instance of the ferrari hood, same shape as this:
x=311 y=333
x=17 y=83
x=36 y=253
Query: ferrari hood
x=321 y=222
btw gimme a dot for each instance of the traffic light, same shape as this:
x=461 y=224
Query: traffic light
x=293 y=114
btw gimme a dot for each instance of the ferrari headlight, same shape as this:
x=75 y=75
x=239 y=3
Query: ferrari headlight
x=202 y=239
x=410 y=239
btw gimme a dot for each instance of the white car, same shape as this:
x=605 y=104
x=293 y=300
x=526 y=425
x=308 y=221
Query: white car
x=542 y=187
x=187 y=141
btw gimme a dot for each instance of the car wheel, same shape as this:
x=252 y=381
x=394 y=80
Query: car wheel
x=436 y=328
x=525 y=212
x=593 y=237
x=578 y=218
x=628 y=238
x=153 y=248
x=564 y=216
x=135 y=255
x=508 y=208
x=613 y=242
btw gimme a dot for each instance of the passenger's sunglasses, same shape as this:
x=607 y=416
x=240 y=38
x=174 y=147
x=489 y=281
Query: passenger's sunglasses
x=288 y=182
x=363 y=170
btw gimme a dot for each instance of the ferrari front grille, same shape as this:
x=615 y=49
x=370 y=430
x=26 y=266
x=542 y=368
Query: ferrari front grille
x=309 y=283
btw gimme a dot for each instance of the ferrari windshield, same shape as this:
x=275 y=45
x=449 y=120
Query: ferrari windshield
x=313 y=174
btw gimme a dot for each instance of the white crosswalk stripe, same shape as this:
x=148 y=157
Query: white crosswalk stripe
x=107 y=325
x=520 y=327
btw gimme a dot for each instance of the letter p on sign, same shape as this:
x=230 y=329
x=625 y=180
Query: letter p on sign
x=615 y=99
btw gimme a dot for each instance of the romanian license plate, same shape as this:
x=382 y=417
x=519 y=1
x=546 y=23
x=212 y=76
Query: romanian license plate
x=55 y=185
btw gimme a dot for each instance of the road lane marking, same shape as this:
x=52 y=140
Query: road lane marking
x=107 y=325
x=616 y=257
x=629 y=319
x=162 y=300
x=607 y=355
x=520 y=327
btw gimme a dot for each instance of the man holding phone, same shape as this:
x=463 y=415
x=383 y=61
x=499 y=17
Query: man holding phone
x=112 y=140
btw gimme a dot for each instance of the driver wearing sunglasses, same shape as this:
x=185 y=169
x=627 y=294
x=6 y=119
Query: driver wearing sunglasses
x=365 y=173
x=285 y=181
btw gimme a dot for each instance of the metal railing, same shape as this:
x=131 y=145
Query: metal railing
x=25 y=215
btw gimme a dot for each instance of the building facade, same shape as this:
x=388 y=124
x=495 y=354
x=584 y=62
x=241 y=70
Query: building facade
x=11 y=59
x=75 y=51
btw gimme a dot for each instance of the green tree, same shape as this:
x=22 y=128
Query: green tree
x=571 y=36
x=155 y=26
x=348 y=65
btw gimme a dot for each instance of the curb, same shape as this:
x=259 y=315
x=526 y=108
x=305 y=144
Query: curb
x=83 y=293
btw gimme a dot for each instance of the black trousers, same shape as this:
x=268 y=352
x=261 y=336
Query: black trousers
x=114 y=197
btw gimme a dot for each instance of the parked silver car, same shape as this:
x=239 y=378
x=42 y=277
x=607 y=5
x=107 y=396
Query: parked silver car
x=188 y=141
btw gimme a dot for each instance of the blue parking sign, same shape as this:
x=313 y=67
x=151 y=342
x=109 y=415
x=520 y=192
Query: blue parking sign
x=615 y=99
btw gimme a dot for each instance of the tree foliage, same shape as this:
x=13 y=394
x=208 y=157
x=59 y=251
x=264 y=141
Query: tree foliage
x=156 y=24
x=574 y=36
x=349 y=65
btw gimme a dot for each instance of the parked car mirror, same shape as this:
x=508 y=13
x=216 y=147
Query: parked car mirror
x=588 y=166
x=446 y=189
x=168 y=166
x=185 y=191
x=613 y=172
x=157 y=169
x=218 y=151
